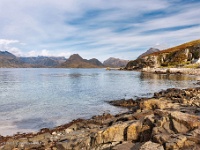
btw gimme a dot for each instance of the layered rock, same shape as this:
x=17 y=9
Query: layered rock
x=169 y=120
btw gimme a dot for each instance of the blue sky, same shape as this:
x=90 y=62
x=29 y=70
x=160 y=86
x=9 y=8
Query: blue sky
x=96 y=28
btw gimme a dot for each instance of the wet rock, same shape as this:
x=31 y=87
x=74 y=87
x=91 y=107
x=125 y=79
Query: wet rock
x=124 y=103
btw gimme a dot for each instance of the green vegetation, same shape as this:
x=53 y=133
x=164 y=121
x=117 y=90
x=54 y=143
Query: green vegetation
x=192 y=66
x=177 y=48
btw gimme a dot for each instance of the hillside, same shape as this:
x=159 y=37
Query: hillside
x=115 y=62
x=76 y=61
x=184 y=55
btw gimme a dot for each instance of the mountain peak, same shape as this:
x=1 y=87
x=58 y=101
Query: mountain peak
x=149 y=51
x=75 y=57
x=76 y=61
x=7 y=54
x=115 y=62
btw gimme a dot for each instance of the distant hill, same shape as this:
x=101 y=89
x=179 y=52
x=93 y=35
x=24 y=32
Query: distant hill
x=76 y=61
x=115 y=62
x=96 y=62
x=184 y=55
x=43 y=61
x=8 y=60
x=149 y=51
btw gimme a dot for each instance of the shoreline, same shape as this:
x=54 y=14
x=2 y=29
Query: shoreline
x=186 y=71
x=162 y=121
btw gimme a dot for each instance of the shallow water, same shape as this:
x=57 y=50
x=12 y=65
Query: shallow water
x=31 y=99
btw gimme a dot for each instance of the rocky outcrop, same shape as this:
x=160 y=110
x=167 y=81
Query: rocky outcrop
x=189 y=71
x=115 y=62
x=169 y=120
x=179 y=56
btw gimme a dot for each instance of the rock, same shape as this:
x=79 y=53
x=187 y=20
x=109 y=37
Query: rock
x=124 y=146
x=152 y=104
x=111 y=134
x=68 y=130
x=179 y=127
x=175 y=142
x=124 y=103
x=133 y=131
x=194 y=136
x=151 y=146
x=188 y=121
x=143 y=114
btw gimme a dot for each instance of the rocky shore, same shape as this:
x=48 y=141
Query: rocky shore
x=167 y=121
x=189 y=71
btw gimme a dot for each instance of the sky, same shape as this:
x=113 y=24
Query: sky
x=96 y=28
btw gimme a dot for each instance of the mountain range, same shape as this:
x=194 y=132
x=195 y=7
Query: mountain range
x=43 y=61
x=8 y=60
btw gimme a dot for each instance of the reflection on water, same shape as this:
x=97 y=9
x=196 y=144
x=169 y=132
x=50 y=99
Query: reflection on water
x=173 y=77
x=31 y=99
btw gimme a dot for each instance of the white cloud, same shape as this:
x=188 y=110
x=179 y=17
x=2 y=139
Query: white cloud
x=65 y=27
x=44 y=52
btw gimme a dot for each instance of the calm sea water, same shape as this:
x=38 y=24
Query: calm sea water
x=31 y=99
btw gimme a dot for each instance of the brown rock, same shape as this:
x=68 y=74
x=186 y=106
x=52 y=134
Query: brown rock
x=133 y=131
x=189 y=121
x=151 y=146
x=152 y=104
x=124 y=146
x=179 y=127
x=111 y=134
x=176 y=142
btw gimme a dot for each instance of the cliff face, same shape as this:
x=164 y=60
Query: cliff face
x=178 y=56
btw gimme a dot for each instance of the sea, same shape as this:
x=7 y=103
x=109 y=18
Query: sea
x=35 y=98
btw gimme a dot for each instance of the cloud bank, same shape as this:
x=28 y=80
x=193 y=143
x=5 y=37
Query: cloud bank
x=100 y=28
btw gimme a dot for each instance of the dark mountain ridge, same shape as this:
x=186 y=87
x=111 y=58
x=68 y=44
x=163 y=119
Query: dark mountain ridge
x=43 y=61
x=8 y=60
x=76 y=61
x=115 y=62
